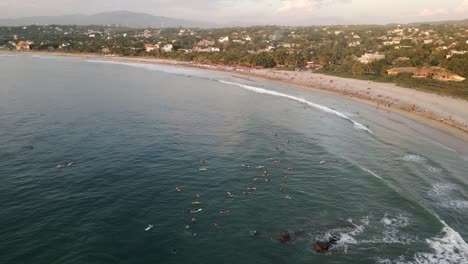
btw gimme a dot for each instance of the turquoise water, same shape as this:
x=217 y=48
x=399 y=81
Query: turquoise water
x=389 y=189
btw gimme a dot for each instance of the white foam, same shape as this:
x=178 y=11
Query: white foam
x=447 y=248
x=300 y=100
x=371 y=172
x=347 y=235
x=147 y=66
x=442 y=192
x=414 y=158
x=434 y=169
x=392 y=226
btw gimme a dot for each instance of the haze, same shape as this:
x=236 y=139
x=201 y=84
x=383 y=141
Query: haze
x=280 y=12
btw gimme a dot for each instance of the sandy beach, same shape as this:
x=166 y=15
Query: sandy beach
x=441 y=112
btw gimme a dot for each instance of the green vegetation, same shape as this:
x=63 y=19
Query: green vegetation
x=334 y=48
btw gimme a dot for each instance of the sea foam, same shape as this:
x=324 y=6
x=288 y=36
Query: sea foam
x=447 y=248
x=443 y=192
x=300 y=100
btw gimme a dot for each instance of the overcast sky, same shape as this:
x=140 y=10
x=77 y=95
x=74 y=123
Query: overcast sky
x=255 y=11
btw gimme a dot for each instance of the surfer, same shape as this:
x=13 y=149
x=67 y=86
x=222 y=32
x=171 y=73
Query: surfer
x=59 y=166
x=224 y=211
x=322 y=246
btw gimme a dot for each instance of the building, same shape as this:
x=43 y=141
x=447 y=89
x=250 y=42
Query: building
x=370 y=57
x=435 y=73
x=314 y=65
x=223 y=40
x=205 y=43
x=167 y=48
x=151 y=47
x=455 y=52
x=23 y=45
x=208 y=49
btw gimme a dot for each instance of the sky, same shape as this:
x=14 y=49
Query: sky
x=279 y=12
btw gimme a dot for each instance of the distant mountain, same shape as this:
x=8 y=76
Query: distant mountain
x=122 y=18
x=449 y=22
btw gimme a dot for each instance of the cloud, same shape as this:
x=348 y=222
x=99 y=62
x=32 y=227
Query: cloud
x=432 y=12
x=305 y=5
x=463 y=7
x=292 y=5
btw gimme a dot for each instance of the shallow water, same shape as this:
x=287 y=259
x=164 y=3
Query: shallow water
x=134 y=132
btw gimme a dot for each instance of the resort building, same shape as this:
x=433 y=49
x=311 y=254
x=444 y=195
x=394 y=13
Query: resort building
x=435 y=73
x=23 y=45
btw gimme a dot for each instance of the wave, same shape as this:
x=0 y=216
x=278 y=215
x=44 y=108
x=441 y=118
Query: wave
x=414 y=158
x=442 y=193
x=369 y=171
x=156 y=67
x=447 y=248
x=300 y=100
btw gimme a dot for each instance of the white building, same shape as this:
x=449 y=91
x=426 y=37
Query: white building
x=370 y=57
x=223 y=40
x=167 y=48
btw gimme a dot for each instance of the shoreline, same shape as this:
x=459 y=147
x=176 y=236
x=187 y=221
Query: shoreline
x=443 y=113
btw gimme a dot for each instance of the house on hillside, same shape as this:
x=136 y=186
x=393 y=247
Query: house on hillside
x=23 y=45
x=167 y=48
x=435 y=73
x=223 y=40
x=206 y=43
x=370 y=57
x=151 y=47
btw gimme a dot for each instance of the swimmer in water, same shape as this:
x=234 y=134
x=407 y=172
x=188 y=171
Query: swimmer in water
x=178 y=189
x=229 y=195
x=203 y=161
x=224 y=211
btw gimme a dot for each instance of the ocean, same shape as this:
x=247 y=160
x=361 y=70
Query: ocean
x=384 y=185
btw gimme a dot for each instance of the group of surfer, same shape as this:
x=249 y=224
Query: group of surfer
x=320 y=246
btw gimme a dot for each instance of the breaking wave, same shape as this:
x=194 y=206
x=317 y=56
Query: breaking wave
x=447 y=248
x=442 y=192
x=147 y=66
x=300 y=100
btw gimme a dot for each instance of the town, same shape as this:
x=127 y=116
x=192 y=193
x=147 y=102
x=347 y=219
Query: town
x=434 y=54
